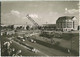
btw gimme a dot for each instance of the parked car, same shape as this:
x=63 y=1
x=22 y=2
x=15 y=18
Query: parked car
x=34 y=50
x=21 y=38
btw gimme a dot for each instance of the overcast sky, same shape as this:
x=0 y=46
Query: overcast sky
x=40 y=11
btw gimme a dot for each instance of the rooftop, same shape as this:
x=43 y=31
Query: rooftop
x=66 y=17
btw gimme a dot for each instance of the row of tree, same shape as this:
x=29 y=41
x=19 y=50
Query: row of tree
x=12 y=27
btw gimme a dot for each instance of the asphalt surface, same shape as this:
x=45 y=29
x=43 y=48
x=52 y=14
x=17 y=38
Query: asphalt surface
x=43 y=50
x=25 y=51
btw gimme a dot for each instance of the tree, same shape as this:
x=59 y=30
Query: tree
x=12 y=27
x=27 y=27
x=20 y=27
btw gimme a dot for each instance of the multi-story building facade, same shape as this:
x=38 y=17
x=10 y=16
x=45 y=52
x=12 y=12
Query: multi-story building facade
x=67 y=23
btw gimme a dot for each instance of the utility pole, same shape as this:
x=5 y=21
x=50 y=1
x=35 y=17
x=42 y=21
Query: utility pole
x=71 y=44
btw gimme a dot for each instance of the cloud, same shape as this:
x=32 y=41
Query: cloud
x=33 y=15
x=53 y=13
x=71 y=11
x=15 y=12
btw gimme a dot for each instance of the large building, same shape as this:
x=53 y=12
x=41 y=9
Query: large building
x=67 y=23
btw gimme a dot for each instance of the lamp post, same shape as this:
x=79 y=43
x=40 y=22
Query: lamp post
x=70 y=50
x=71 y=44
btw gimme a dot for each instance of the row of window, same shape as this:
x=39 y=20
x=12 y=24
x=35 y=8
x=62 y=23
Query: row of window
x=64 y=25
x=64 y=21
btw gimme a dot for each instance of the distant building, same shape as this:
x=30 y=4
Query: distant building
x=49 y=26
x=3 y=25
x=67 y=23
x=18 y=25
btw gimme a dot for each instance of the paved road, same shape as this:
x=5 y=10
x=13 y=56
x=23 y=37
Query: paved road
x=46 y=50
x=31 y=53
x=25 y=51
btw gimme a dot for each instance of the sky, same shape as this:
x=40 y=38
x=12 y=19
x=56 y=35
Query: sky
x=41 y=12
